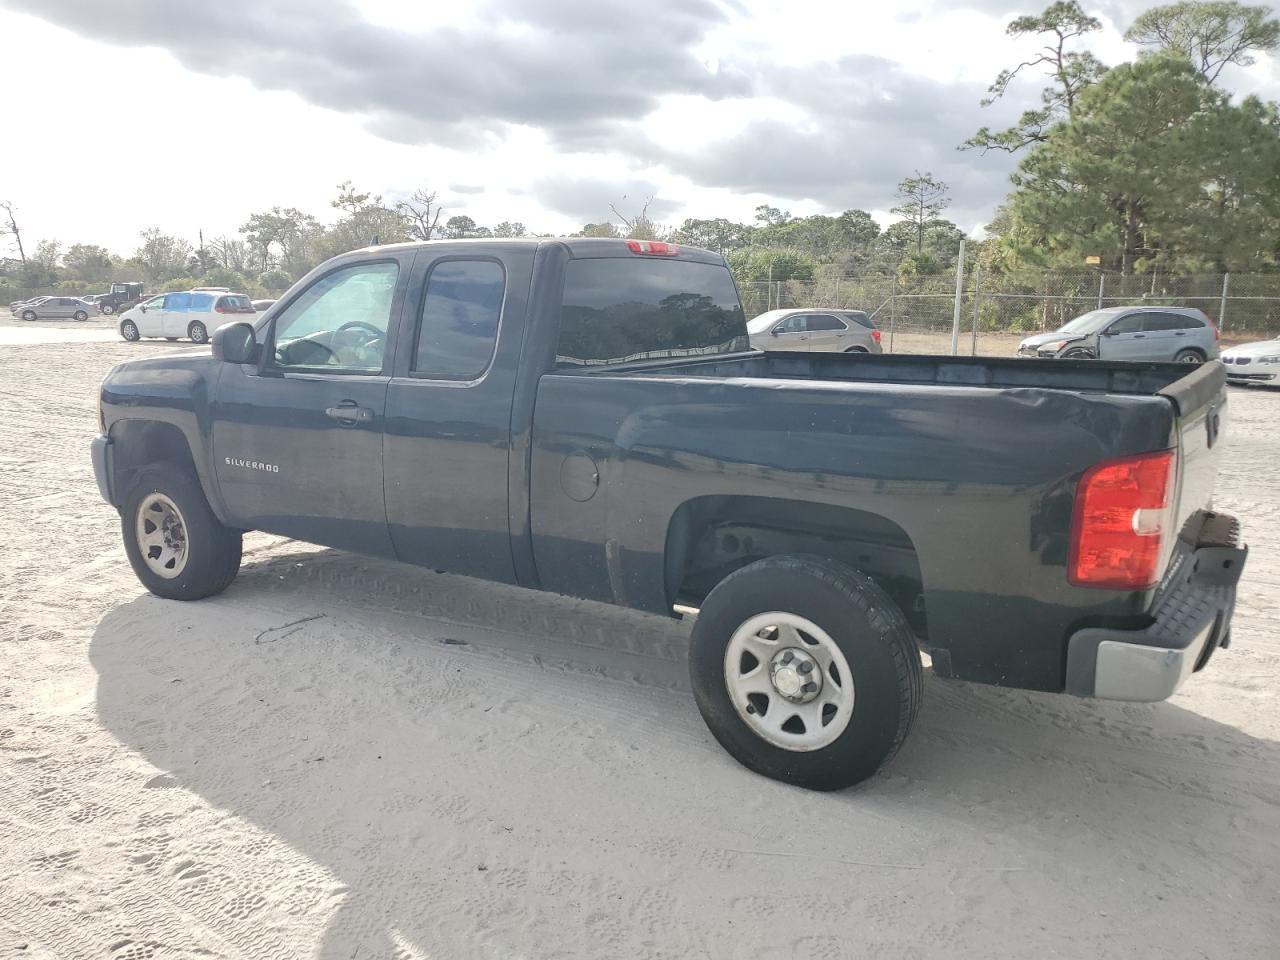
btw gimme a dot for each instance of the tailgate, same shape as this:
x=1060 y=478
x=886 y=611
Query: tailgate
x=1200 y=402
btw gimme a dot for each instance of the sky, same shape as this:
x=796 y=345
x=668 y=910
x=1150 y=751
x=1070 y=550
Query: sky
x=121 y=115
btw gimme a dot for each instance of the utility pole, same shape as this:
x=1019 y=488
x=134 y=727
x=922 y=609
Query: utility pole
x=955 y=318
x=1222 y=304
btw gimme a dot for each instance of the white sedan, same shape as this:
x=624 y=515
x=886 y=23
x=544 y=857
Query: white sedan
x=1253 y=362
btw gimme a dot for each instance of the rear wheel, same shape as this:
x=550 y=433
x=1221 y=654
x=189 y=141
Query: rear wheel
x=176 y=546
x=28 y=315
x=129 y=330
x=107 y=309
x=856 y=350
x=805 y=671
x=81 y=316
x=1189 y=356
x=197 y=332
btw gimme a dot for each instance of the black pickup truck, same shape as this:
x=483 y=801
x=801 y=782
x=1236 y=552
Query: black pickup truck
x=586 y=417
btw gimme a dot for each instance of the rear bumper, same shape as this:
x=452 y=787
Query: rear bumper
x=1191 y=619
x=100 y=451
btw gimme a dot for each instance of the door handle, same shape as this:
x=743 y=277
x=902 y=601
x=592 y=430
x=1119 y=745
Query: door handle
x=348 y=412
x=1180 y=333
x=1139 y=336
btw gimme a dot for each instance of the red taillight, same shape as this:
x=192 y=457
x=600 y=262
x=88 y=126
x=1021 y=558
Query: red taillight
x=1119 y=526
x=1217 y=334
x=653 y=248
x=875 y=335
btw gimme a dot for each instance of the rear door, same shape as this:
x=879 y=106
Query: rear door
x=448 y=437
x=298 y=438
x=1163 y=341
x=827 y=332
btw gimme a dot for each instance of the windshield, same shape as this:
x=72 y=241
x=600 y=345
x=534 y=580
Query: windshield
x=623 y=309
x=1090 y=322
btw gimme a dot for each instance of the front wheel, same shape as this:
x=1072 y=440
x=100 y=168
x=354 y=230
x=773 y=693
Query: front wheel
x=1189 y=356
x=1077 y=354
x=129 y=330
x=28 y=315
x=805 y=671
x=176 y=546
x=198 y=333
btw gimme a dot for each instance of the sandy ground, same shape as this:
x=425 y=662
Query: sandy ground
x=342 y=758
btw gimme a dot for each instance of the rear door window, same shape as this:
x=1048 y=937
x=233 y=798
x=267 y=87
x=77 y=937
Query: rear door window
x=201 y=302
x=823 y=321
x=624 y=309
x=459 y=325
x=235 y=304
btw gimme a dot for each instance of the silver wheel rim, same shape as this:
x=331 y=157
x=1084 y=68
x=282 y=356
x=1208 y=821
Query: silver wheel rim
x=130 y=331
x=765 y=675
x=197 y=333
x=162 y=536
x=1191 y=358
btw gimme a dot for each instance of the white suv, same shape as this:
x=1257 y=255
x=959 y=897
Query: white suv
x=194 y=314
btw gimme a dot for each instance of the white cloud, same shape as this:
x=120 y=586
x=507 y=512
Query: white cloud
x=726 y=104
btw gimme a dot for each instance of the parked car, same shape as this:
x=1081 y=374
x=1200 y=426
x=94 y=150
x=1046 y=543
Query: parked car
x=121 y=297
x=841 y=331
x=56 y=308
x=92 y=298
x=586 y=417
x=15 y=306
x=192 y=314
x=1257 y=362
x=260 y=305
x=1180 y=334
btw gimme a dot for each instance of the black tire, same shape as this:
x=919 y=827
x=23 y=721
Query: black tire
x=198 y=332
x=856 y=350
x=129 y=330
x=213 y=550
x=28 y=315
x=81 y=316
x=107 y=309
x=1188 y=356
x=1077 y=354
x=870 y=631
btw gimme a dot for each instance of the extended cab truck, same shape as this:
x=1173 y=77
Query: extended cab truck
x=586 y=417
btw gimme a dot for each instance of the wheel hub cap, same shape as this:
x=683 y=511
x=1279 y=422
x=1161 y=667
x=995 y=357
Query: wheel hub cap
x=796 y=675
x=162 y=536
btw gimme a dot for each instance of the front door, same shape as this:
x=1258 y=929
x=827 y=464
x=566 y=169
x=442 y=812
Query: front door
x=298 y=438
x=449 y=405
x=1125 y=339
x=792 y=333
x=150 y=317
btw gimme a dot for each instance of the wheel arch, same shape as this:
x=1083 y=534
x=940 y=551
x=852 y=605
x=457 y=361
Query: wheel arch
x=710 y=537
x=137 y=444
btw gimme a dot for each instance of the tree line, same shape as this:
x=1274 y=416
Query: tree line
x=1143 y=167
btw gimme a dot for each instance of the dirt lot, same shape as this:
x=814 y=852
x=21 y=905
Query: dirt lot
x=343 y=758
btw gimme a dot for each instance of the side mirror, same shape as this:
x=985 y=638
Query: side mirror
x=773 y=332
x=235 y=343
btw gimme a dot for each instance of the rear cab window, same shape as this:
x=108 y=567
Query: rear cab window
x=626 y=309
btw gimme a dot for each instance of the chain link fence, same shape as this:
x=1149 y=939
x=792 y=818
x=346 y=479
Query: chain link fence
x=1245 y=306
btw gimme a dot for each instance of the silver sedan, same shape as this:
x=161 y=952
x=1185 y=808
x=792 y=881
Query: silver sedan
x=836 y=331
x=55 y=308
